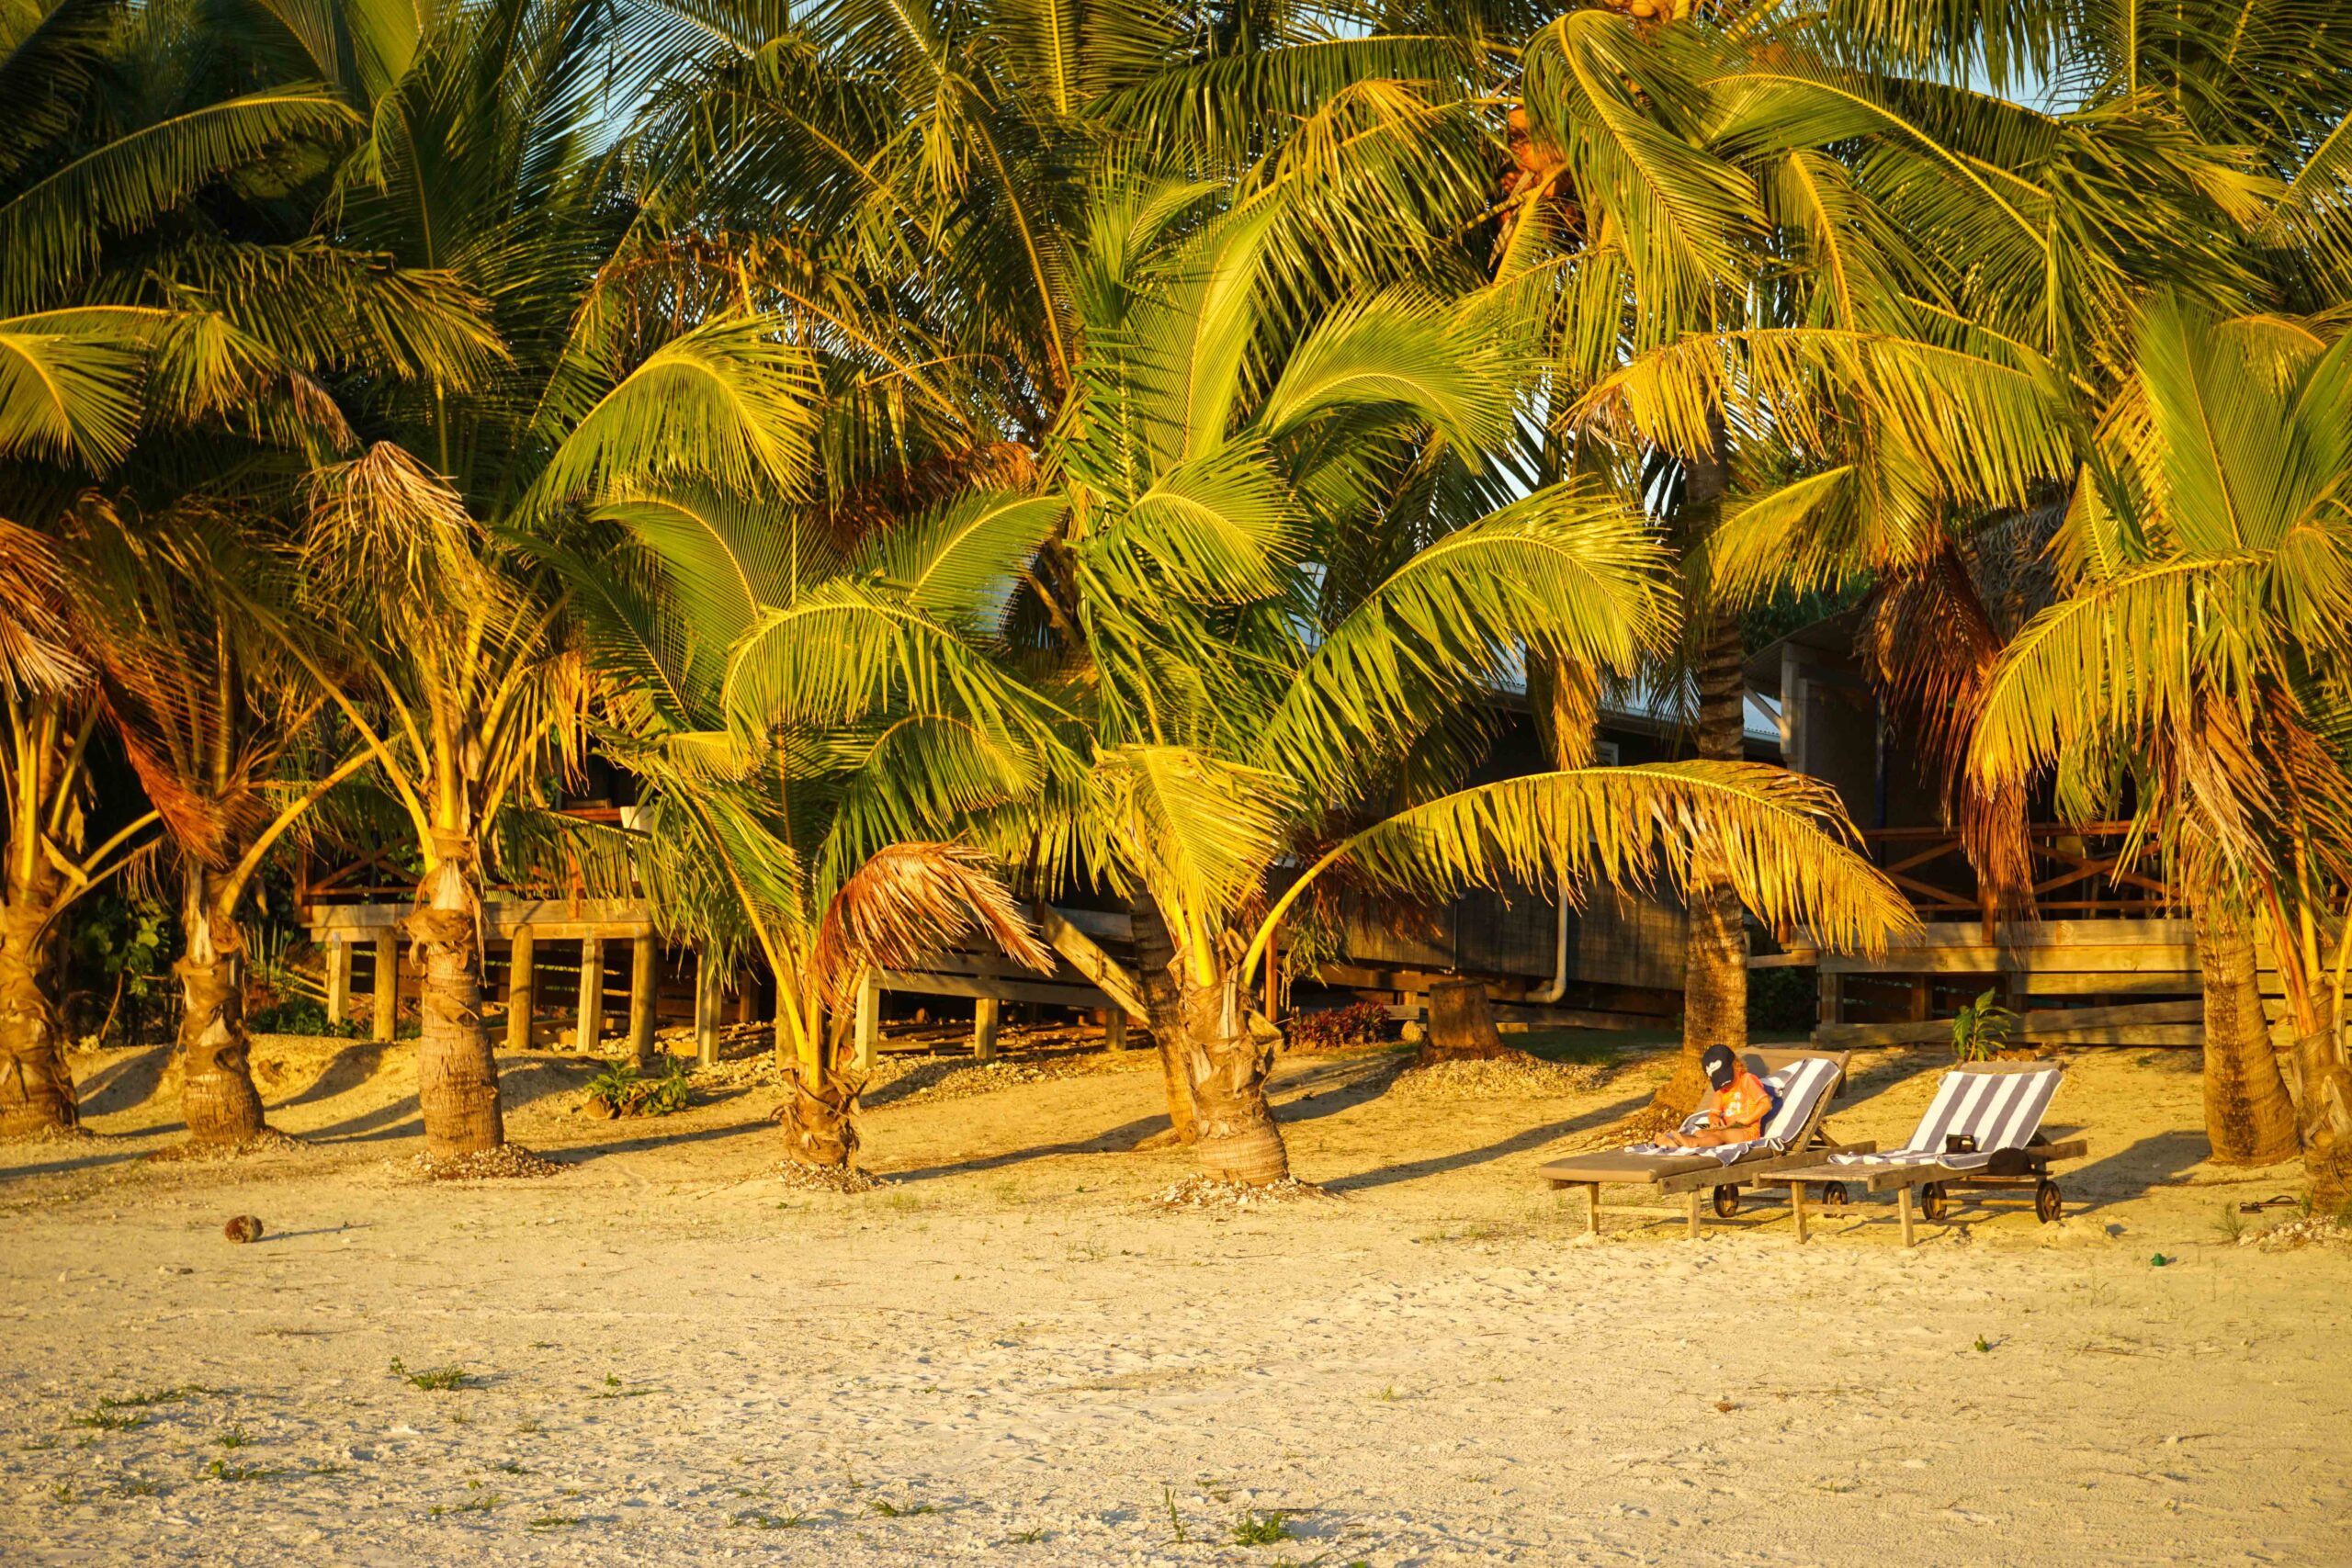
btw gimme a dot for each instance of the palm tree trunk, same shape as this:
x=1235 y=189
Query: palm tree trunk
x=457 y=1075
x=1155 y=951
x=1714 y=951
x=1225 y=1066
x=35 y=1088
x=820 y=1123
x=2249 y=1120
x=2326 y=1120
x=218 y=1099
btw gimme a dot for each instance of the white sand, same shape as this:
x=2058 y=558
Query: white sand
x=676 y=1359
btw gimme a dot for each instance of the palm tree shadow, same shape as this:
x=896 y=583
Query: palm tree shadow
x=1121 y=1139
x=345 y=1070
x=1502 y=1149
x=118 y=1085
x=2129 y=1172
x=401 y=1118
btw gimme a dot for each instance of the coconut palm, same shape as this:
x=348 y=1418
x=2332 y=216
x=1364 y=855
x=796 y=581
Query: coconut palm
x=1244 y=707
x=2197 y=657
x=815 y=833
x=215 y=720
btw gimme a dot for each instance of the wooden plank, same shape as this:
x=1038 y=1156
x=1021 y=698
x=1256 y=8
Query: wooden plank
x=2157 y=982
x=554 y=920
x=1104 y=925
x=2151 y=1035
x=1115 y=1028
x=928 y=982
x=521 y=990
x=1801 y=959
x=1118 y=981
x=2037 y=1021
x=1979 y=959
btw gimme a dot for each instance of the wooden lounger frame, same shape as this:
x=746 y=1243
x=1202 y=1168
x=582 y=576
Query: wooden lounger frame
x=1795 y=1171
x=1611 y=1167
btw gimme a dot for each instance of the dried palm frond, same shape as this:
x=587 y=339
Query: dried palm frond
x=36 y=638
x=913 y=899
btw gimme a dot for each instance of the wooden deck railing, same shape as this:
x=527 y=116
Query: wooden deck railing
x=2076 y=874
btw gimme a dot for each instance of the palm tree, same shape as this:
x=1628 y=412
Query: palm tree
x=214 y=720
x=2198 y=656
x=809 y=728
x=1242 y=716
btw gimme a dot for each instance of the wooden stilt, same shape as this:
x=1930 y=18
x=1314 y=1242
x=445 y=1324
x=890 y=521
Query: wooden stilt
x=1694 y=1213
x=1592 y=1208
x=1903 y=1203
x=644 y=984
x=1796 y=1208
x=1115 y=1028
x=338 y=981
x=387 y=984
x=707 y=977
x=985 y=1011
x=589 y=1032
x=747 y=1003
x=868 y=1020
x=521 y=990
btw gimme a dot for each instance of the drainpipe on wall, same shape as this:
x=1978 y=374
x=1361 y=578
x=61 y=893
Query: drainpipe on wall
x=1559 y=985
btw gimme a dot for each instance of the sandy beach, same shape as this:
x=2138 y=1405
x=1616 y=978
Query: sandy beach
x=1013 y=1354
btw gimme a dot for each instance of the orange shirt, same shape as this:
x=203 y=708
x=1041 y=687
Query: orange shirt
x=1745 y=1104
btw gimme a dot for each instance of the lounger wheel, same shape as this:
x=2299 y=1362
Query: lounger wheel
x=1933 y=1205
x=1832 y=1194
x=2045 y=1201
x=1726 y=1203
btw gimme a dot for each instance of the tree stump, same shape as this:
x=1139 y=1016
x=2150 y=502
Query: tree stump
x=1461 y=1029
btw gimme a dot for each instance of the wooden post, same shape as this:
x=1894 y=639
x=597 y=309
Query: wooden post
x=705 y=1008
x=388 y=982
x=1694 y=1213
x=1114 y=1028
x=644 y=986
x=1592 y=1208
x=868 y=1018
x=1832 y=998
x=746 y=1004
x=985 y=1010
x=1796 y=1208
x=338 y=981
x=589 y=1032
x=1903 y=1203
x=521 y=990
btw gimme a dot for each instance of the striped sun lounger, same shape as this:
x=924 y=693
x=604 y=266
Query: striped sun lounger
x=1802 y=1084
x=1991 y=1109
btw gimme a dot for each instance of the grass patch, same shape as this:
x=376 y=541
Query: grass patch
x=135 y=1487
x=512 y=1468
x=753 y=1518
x=1026 y=1538
x=554 y=1522
x=107 y=1421
x=1261 y=1529
x=482 y=1505
x=890 y=1510
x=180 y=1396
x=234 y=1438
x=434 y=1380
x=222 y=1469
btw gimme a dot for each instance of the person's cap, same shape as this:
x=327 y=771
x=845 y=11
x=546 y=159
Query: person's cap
x=1720 y=1066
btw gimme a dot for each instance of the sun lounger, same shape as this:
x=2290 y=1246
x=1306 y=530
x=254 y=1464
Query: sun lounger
x=1803 y=1083
x=1991 y=1109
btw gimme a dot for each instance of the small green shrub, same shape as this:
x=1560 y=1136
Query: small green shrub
x=630 y=1093
x=1983 y=1027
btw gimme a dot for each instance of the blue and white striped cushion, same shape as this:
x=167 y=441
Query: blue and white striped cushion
x=2001 y=1111
x=1796 y=1089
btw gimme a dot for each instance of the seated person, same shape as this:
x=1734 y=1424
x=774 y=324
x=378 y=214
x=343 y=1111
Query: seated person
x=1734 y=1110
